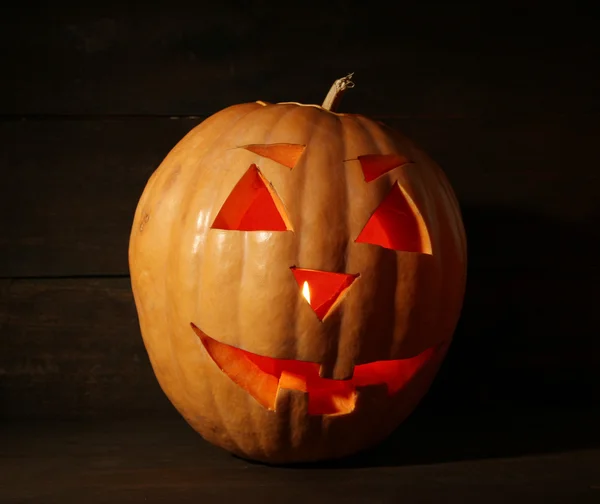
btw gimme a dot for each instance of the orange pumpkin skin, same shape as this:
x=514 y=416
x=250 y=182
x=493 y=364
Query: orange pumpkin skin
x=236 y=286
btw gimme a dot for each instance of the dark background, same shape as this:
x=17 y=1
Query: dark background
x=504 y=95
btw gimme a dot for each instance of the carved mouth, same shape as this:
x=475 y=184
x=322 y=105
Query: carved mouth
x=262 y=377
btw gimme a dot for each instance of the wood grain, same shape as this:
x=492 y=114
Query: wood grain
x=70 y=191
x=549 y=458
x=409 y=59
x=72 y=348
x=70 y=188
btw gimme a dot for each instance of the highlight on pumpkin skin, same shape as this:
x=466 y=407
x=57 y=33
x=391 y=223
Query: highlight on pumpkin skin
x=263 y=377
x=397 y=224
x=323 y=290
x=285 y=154
x=253 y=205
x=375 y=165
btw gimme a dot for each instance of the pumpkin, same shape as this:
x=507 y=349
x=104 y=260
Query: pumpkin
x=298 y=274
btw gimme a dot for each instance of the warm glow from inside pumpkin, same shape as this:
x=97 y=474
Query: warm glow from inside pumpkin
x=306 y=291
x=252 y=205
x=263 y=377
x=323 y=290
x=397 y=224
x=375 y=165
x=283 y=153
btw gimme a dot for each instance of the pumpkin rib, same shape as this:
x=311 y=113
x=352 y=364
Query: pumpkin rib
x=278 y=118
x=260 y=435
x=242 y=239
x=223 y=416
x=357 y=120
x=457 y=234
x=342 y=137
x=153 y=191
x=374 y=132
x=168 y=259
x=322 y=171
x=341 y=345
x=301 y=202
x=347 y=345
x=377 y=130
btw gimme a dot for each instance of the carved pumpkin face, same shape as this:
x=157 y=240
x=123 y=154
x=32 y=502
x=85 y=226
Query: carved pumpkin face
x=298 y=275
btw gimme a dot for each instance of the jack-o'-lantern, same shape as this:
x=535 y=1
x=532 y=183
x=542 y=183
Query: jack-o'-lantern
x=298 y=275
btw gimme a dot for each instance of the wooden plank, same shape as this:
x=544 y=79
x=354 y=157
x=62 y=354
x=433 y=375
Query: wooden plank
x=71 y=348
x=70 y=189
x=526 y=338
x=412 y=60
x=551 y=457
x=528 y=189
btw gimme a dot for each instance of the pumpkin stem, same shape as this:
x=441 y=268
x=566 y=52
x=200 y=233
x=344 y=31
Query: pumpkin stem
x=332 y=100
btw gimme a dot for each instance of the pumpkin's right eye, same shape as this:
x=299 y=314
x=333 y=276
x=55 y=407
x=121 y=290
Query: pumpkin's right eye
x=397 y=224
x=375 y=165
x=252 y=205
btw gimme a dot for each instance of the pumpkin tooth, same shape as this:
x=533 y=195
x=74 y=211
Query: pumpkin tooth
x=337 y=371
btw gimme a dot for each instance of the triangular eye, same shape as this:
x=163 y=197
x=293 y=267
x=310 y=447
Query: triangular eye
x=282 y=153
x=375 y=165
x=252 y=205
x=397 y=224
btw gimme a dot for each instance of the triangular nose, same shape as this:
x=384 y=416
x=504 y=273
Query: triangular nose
x=322 y=289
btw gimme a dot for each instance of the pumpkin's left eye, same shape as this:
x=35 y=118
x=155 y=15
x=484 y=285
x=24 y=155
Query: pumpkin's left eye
x=252 y=205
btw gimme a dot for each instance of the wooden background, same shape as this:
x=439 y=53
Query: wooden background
x=91 y=100
x=504 y=95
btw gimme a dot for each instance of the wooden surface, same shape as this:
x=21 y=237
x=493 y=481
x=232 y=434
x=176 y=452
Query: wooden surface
x=535 y=457
x=504 y=98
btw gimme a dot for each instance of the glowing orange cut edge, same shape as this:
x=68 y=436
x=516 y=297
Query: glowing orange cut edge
x=323 y=290
x=262 y=377
x=285 y=154
x=252 y=205
x=376 y=165
x=397 y=224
